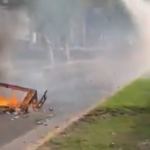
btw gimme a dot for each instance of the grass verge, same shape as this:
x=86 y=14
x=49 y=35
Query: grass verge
x=121 y=123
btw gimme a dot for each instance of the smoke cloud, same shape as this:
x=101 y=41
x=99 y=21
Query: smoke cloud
x=10 y=26
x=139 y=11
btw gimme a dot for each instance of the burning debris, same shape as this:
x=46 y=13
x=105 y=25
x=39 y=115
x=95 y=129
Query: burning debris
x=13 y=106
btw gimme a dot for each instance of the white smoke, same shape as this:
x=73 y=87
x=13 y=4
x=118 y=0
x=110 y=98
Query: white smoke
x=139 y=11
x=11 y=28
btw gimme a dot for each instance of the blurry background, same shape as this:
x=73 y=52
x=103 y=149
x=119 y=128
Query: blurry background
x=54 y=32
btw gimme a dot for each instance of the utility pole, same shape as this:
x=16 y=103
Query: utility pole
x=84 y=33
x=51 y=55
x=67 y=52
x=65 y=45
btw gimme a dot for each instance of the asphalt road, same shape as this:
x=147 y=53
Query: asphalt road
x=72 y=87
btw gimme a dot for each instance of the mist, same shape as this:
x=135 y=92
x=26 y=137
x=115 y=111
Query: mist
x=139 y=11
x=109 y=49
x=11 y=24
x=110 y=38
x=84 y=51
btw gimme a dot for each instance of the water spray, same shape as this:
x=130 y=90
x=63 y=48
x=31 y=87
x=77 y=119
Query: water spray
x=139 y=12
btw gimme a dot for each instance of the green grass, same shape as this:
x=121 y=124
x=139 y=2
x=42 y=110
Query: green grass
x=136 y=94
x=121 y=123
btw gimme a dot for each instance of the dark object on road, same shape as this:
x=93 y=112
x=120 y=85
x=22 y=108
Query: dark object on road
x=30 y=100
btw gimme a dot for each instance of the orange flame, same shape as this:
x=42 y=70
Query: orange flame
x=9 y=102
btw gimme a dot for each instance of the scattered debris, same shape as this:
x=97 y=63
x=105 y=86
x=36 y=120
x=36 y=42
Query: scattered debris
x=111 y=132
x=8 y=113
x=25 y=116
x=47 y=120
x=43 y=111
x=45 y=123
x=42 y=122
x=50 y=115
x=39 y=122
x=37 y=110
x=16 y=113
x=144 y=145
x=16 y=117
x=18 y=110
x=112 y=144
x=147 y=142
x=51 y=109
x=12 y=119
x=4 y=110
x=56 y=127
